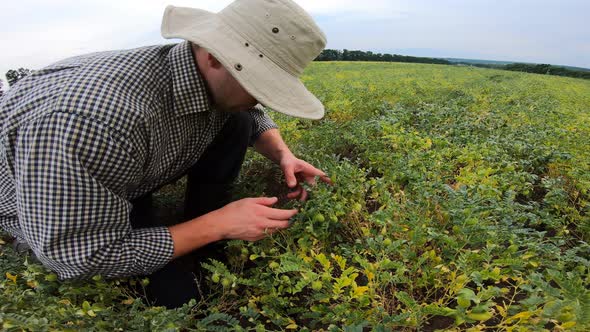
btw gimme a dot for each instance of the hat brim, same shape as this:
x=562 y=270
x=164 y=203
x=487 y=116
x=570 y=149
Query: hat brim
x=272 y=86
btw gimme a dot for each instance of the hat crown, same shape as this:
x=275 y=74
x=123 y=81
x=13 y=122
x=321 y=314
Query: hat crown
x=280 y=29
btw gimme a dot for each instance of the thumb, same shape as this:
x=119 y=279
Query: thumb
x=266 y=201
x=290 y=176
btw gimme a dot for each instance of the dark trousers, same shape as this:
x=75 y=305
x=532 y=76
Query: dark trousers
x=208 y=188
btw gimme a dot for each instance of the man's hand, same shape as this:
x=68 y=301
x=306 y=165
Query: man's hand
x=249 y=219
x=297 y=171
x=271 y=145
x=252 y=219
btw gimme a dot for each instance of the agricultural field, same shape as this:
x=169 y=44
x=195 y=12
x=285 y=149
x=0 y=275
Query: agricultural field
x=461 y=201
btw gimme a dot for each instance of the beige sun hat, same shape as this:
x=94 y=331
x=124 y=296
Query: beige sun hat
x=265 y=45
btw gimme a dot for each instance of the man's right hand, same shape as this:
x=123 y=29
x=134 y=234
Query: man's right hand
x=252 y=219
x=249 y=219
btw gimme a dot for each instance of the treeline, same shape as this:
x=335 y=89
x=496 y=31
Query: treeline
x=347 y=55
x=548 y=70
x=544 y=69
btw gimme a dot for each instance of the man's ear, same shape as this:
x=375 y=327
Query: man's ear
x=213 y=62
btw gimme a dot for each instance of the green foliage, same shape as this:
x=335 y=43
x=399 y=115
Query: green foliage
x=460 y=202
x=31 y=298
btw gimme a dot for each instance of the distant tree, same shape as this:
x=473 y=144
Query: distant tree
x=14 y=76
x=345 y=55
x=546 y=69
x=356 y=55
x=329 y=55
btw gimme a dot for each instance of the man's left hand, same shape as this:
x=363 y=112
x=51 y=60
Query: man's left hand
x=298 y=171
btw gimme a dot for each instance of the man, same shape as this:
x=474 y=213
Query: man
x=84 y=138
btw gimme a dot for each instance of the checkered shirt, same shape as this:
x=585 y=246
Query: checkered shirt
x=81 y=138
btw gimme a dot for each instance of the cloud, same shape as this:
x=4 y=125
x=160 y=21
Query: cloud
x=532 y=31
x=363 y=8
x=36 y=33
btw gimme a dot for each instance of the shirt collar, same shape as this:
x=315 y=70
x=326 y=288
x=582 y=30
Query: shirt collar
x=189 y=88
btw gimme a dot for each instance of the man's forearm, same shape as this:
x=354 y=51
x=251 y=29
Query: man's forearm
x=194 y=234
x=271 y=145
x=248 y=219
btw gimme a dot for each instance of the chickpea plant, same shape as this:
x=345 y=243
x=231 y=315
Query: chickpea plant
x=461 y=202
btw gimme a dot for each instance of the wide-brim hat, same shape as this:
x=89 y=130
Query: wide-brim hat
x=264 y=44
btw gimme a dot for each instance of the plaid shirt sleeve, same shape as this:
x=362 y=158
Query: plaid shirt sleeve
x=262 y=122
x=72 y=208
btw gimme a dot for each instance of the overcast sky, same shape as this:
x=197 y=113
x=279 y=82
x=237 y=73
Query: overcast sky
x=36 y=33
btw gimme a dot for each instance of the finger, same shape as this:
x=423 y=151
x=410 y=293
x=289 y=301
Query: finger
x=290 y=176
x=310 y=173
x=266 y=201
x=326 y=179
x=314 y=171
x=296 y=193
x=304 y=195
x=300 y=194
x=310 y=180
x=276 y=225
x=278 y=214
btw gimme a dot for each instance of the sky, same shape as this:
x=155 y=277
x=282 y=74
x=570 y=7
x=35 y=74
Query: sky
x=36 y=33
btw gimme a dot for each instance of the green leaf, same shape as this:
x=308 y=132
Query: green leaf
x=405 y=299
x=51 y=277
x=480 y=316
